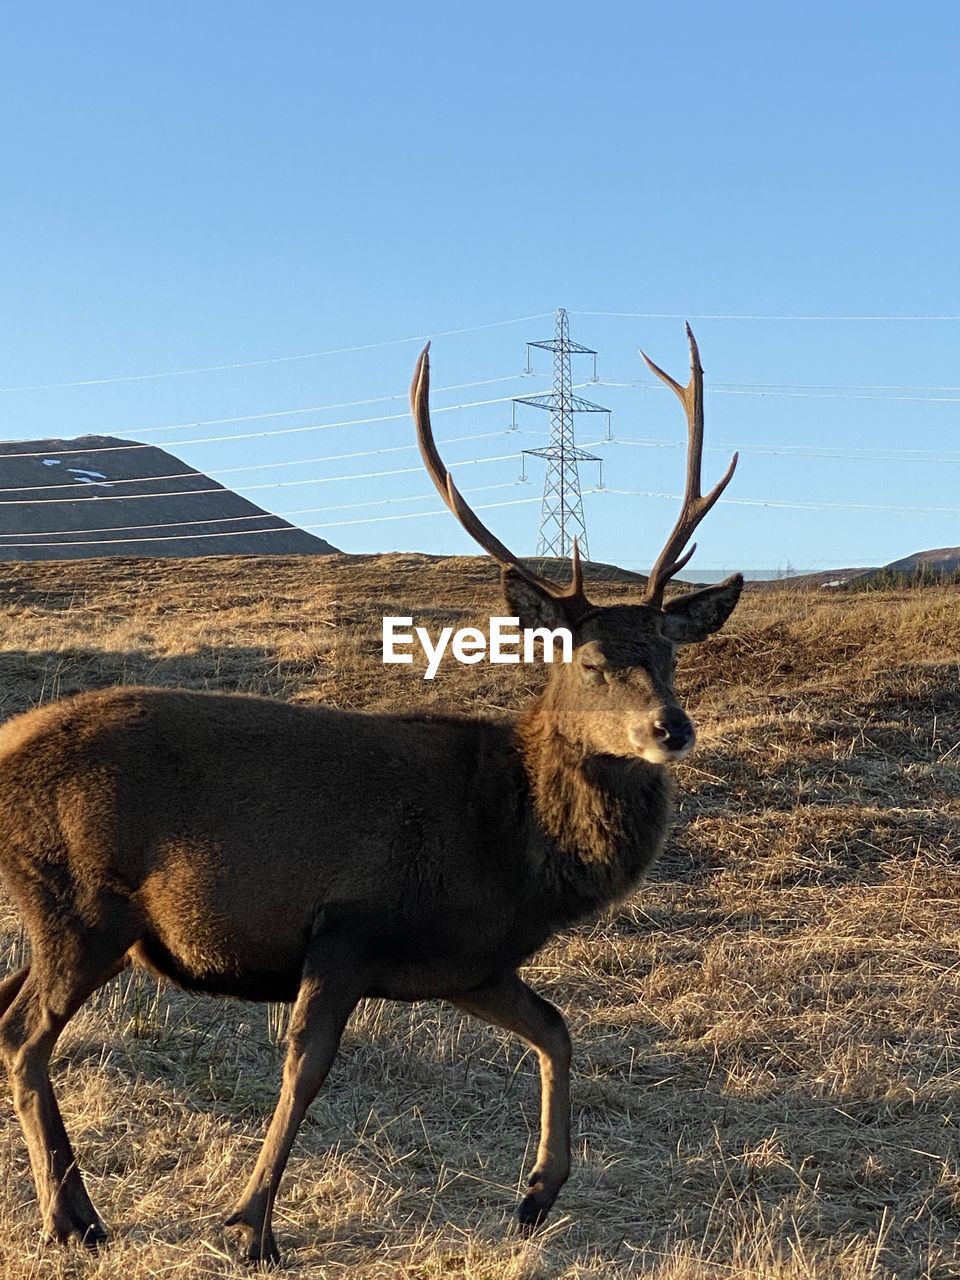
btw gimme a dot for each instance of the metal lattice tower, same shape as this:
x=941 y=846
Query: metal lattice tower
x=561 y=512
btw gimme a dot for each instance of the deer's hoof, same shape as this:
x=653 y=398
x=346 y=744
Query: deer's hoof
x=540 y=1198
x=67 y=1228
x=258 y=1248
x=532 y=1212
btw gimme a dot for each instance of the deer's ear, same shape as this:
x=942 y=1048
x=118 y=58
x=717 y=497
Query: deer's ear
x=695 y=616
x=532 y=606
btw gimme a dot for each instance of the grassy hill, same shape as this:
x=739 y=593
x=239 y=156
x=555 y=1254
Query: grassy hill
x=767 y=1066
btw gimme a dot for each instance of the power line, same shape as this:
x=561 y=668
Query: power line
x=813 y=504
x=448 y=333
x=785 y=450
x=665 y=315
x=251 y=466
x=286 y=359
x=314 y=408
x=812 y=391
x=747 y=389
x=900 y=509
x=845 y=395
x=769 y=390
x=796 y=450
x=824 y=386
x=789 y=504
x=802 y=390
x=257 y=435
x=413 y=515
x=875 y=455
x=277 y=484
x=416 y=515
x=799 y=504
x=804 y=505
x=260 y=515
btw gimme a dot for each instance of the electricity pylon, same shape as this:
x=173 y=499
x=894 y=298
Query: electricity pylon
x=561 y=512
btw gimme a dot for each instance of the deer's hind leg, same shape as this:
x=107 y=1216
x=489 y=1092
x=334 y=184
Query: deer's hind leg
x=10 y=988
x=64 y=971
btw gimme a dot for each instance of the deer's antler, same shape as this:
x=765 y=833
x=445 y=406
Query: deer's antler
x=571 y=596
x=695 y=505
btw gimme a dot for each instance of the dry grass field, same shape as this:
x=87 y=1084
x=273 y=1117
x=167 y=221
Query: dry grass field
x=767 y=1071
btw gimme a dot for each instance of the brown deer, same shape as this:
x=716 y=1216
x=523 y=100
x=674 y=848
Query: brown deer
x=245 y=847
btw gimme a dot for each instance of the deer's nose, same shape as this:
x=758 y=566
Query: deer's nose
x=673 y=730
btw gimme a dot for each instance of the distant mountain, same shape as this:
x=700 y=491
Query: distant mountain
x=943 y=560
x=159 y=491
x=813 y=581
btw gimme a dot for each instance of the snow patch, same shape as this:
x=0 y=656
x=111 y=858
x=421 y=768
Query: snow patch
x=51 y=462
x=83 y=476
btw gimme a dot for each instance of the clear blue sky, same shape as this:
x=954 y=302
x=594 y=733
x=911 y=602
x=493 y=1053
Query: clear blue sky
x=190 y=185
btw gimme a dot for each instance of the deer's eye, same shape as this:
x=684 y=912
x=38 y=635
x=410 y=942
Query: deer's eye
x=593 y=673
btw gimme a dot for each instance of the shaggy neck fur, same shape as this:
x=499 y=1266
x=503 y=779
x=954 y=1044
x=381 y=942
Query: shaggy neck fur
x=603 y=819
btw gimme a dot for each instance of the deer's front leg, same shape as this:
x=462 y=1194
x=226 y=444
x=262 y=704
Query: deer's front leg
x=330 y=988
x=510 y=1003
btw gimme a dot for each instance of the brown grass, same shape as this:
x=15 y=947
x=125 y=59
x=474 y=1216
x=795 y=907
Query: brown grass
x=768 y=1060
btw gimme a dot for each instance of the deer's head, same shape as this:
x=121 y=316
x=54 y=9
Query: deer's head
x=616 y=697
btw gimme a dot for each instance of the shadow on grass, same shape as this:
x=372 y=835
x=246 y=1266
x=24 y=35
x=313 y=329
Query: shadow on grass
x=29 y=678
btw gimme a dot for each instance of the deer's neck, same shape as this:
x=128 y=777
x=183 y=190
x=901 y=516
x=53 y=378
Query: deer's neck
x=600 y=820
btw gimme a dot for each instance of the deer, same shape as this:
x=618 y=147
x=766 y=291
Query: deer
x=251 y=848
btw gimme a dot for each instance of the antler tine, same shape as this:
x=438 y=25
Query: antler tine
x=420 y=408
x=695 y=504
x=575 y=587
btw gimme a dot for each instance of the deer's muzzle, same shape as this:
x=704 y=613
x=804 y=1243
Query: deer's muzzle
x=668 y=734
